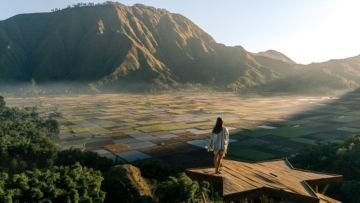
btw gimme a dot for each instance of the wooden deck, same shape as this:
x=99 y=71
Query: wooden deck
x=276 y=178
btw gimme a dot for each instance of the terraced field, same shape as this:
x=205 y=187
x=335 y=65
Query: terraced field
x=176 y=126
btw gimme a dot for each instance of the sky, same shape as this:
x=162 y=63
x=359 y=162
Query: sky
x=305 y=30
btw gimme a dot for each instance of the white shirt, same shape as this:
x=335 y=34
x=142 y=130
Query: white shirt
x=219 y=141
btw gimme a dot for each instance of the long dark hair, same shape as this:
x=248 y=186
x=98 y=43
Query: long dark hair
x=218 y=125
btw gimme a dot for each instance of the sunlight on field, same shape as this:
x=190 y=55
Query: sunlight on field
x=115 y=123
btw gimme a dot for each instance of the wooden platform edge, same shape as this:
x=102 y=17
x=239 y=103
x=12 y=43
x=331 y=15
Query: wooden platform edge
x=308 y=185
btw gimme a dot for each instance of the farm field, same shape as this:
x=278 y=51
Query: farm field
x=176 y=126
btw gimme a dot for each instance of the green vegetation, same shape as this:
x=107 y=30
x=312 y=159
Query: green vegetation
x=27 y=155
x=180 y=189
x=341 y=158
x=55 y=184
x=2 y=102
x=24 y=140
x=88 y=159
x=119 y=187
x=292 y=131
x=33 y=170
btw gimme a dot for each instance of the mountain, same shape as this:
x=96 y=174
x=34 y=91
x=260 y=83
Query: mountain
x=112 y=45
x=276 y=55
x=328 y=76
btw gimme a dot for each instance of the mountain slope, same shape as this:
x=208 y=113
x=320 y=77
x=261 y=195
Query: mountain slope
x=276 y=55
x=113 y=45
x=107 y=43
x=332 y=75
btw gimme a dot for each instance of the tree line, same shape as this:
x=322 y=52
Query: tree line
x=89 y=4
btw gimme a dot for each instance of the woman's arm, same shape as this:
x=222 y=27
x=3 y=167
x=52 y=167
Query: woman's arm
x=226 y=138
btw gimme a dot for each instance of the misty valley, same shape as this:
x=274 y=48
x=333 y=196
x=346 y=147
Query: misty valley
x=135 y=126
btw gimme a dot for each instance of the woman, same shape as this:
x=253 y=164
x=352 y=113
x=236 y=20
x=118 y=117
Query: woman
x=218 y=143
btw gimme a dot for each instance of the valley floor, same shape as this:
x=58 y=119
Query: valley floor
x=175 y=126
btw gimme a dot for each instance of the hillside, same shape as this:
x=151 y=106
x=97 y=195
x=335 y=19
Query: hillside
x=112 y=45
x=107 y=43
x=318 y=77
x=276 y=55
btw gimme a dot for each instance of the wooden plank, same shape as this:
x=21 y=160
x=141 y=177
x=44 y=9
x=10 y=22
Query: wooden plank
x=326 y=199
x=277 y=177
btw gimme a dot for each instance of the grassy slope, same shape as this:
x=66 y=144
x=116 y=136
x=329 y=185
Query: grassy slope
x=108 y=43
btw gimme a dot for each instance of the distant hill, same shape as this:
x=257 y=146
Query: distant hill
x=276 y=55
x=113 y=45
x=332 y=75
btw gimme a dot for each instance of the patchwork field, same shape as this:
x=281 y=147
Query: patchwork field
x=176 y=126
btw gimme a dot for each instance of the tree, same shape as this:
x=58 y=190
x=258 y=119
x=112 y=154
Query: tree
x=177 y=189
x=24 y=142
x=119 y=187
x=341 y=158
x=350 y=190
x=57 y=184
x=53 y=126
x=2 y=102
x=156 y=169
x=88 y=159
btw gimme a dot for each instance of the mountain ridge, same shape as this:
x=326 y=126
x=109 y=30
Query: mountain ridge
x=276 y=55
x=111 y=45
